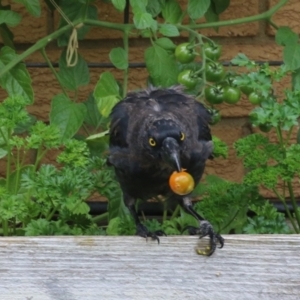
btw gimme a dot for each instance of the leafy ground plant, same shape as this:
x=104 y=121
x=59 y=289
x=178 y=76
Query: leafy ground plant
x=41 y=199
x=273 y=163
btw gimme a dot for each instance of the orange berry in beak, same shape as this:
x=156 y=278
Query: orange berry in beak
x=181 y=183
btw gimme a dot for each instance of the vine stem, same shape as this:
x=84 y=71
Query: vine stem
x=263 y=16
x=176 y=212
x=128 y=27
x=44 y=54
x=102 y=217
x=295 y=207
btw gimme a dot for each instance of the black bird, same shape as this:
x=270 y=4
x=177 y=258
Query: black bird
x=153 y=133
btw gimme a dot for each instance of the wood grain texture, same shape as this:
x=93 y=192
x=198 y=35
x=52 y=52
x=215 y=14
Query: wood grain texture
x=90 y=268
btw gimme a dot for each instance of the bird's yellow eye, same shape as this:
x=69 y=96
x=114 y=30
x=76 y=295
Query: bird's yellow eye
x=152 y=142
x=182 y=136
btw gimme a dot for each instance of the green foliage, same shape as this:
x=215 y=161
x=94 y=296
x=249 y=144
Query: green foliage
x=158 y=62
x=67 y=115
x=118 y=57
x=10 y=18
x=220 y=148
x=73 y=77
x=267 y=220
x=38 y=198
x=121 y=226
x=17 y=81
x=271 y=162
x=106 y=93
x=226 y=204
x=31 y=194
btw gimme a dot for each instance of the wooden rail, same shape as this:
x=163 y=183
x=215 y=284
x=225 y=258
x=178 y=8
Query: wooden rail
x=98 y=267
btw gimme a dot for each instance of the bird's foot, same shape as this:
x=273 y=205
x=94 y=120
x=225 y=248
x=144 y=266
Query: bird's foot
x=206 y=229
x=143 y=231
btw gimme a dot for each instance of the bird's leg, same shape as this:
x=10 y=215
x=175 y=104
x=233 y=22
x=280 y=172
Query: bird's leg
x=205 y=228
x=141 y=229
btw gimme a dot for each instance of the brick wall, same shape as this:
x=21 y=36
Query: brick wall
x=256 y=40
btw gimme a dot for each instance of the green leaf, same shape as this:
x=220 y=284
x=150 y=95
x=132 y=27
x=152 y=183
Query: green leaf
x=113 y=226
x=241 y=60
x=196 y=9
x=7 y=36
x=106 y=93
x=17 y=80
x=291 y=56
x=9 y=17
x=33 y=6
x=161 y=66
x=4 y=134
x=154 y=7
x=121 y=226
x=76 y=207
x=169 y=30
x=14 y=179
x=285 y=36
x=119 y=4
x=3 y=153
x=142 y=20
x=211 y=16
x=74 y=12
x=172 y=12
x=116 y=206
x=220 y=5
x=165 y=43
x=296 y=80
x=73 y=77
x=138 y=5
x=220 y=147
x=67 y=115
x=118 y=57
x=93 y=116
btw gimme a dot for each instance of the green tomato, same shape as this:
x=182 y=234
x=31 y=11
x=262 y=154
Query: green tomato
x=212 y=51
x=255 y=98
x=186 y=79
x=215 y=116
x=246 y=89
x=231 y=94
x=214 y=72
x=184 y=53
x=214 y=94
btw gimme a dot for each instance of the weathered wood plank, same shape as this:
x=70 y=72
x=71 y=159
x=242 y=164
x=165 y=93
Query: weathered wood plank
x=71 y=268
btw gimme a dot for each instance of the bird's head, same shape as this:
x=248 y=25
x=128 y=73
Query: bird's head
x=164 y=142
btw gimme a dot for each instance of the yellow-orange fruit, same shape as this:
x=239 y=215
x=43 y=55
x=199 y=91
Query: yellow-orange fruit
x=181 y=183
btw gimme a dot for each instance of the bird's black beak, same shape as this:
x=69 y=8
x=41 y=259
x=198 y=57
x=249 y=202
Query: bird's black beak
x=171 y=155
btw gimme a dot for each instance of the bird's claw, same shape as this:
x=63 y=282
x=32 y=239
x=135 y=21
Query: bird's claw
x=206 y=229
x=143 y=231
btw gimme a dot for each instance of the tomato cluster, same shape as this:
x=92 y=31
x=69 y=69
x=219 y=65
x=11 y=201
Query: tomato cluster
x=219 y=86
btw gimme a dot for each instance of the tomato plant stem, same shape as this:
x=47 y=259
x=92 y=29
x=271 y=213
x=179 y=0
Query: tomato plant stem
x=102 y=217
x=175 y=212
x=294 y=204
x=44 y=54
x=287 y=210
